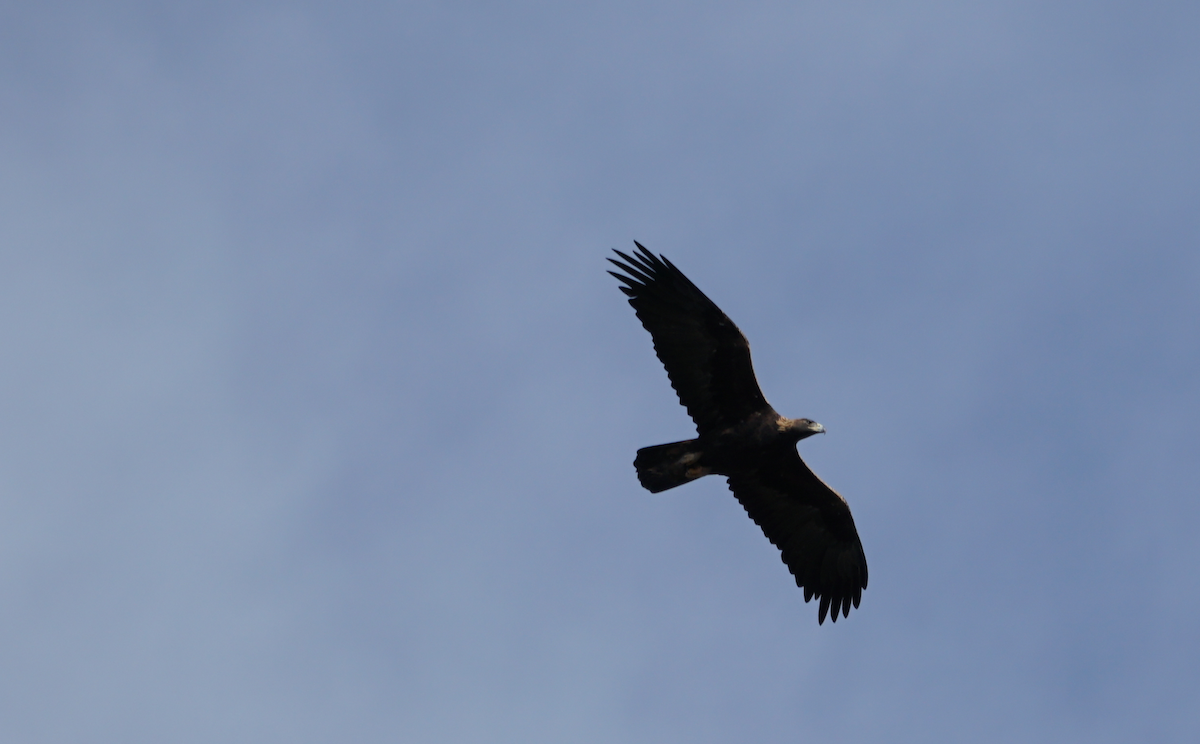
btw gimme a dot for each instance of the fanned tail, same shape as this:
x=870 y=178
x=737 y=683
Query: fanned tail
x=665 y=466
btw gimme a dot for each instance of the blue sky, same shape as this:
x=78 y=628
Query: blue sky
x=318 y=407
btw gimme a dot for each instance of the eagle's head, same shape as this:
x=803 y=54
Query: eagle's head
x=801 y=428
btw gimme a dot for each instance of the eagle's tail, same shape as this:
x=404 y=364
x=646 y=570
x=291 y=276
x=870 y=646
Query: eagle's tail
x=665 y=466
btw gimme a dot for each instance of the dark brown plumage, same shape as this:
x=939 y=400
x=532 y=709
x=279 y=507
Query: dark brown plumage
x=740 y=436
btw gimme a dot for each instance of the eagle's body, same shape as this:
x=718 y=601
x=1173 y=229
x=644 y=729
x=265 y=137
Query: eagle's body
x=740 y=436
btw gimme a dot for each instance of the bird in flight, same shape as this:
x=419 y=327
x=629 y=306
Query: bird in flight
x=740 y=436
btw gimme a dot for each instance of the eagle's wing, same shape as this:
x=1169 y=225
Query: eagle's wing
x=812 y=527
x=706 y=356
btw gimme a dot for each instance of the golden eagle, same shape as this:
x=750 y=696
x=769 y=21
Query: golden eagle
x=740 y=436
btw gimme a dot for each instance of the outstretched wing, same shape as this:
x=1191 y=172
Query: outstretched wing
x=706 y=356
x=812 y=527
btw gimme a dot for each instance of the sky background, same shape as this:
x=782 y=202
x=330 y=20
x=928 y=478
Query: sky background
x=317 y=407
